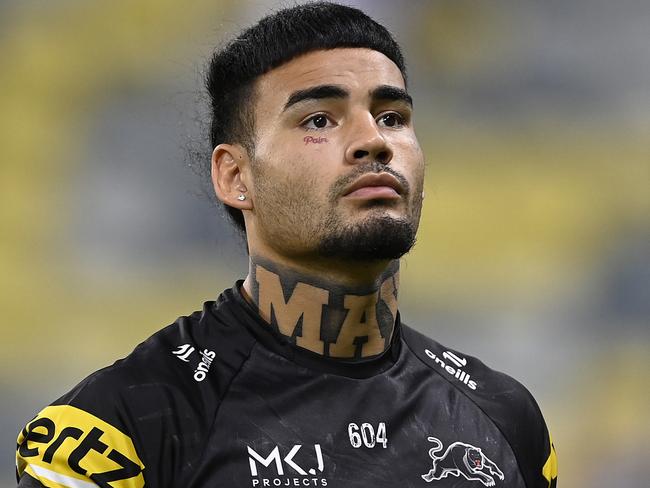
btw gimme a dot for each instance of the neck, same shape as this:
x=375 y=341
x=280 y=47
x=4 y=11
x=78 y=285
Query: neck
x=332 y=317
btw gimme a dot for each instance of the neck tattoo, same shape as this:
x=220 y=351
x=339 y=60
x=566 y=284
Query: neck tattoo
x=324 y=317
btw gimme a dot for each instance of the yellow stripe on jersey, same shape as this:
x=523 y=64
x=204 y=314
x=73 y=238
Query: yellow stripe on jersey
x=66 y=447
x=550 y=467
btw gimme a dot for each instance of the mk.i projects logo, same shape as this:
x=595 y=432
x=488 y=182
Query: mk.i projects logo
x=272 y=469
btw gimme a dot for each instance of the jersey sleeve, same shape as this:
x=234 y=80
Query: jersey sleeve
x=65 y=445
x=516 y=413
x=549 y=470
x=509 y=405
x=26 y=481
x=128 y=426
x=142 y=421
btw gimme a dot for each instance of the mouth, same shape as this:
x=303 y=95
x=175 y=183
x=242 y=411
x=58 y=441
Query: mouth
x=375 y=185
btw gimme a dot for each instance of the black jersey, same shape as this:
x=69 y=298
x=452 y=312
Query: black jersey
x=220 y=400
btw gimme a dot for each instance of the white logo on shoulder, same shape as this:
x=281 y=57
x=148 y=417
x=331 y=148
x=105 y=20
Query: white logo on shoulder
x=203 y=367
x=457 y=360
x=461 y=459
x=184 y=352
x=457 y=373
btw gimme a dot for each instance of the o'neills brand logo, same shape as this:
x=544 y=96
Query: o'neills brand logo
x=183 y=352
x=457 y=373
x=201 y=370
x=274 y=469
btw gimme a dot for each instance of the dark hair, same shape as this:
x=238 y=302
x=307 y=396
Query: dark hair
x=273 y=41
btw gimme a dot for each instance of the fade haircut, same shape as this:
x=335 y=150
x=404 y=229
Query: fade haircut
x=273 y=41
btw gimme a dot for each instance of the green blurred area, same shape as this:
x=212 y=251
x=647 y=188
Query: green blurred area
x=531 y=226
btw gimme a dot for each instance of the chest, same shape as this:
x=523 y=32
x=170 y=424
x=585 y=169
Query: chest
x=407 y=428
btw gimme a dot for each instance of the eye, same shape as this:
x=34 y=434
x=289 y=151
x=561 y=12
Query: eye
x=316 y=122
x=391 y=119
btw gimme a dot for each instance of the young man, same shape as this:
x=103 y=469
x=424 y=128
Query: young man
x=302 y=374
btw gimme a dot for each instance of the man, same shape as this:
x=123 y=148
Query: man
x=302 y=374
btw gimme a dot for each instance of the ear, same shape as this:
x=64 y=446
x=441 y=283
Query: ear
x=228 y=161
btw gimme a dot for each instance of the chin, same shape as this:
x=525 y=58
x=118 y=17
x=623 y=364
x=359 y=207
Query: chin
x=380 y=236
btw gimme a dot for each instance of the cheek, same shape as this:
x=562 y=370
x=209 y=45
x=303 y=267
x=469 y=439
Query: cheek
x=298 y=167
x=293 y=177
x=411 y=162
x=317 y=152
x=306 y=158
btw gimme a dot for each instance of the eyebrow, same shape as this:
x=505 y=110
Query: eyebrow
x=392 y=93
x=382 y=92
x=316 y=93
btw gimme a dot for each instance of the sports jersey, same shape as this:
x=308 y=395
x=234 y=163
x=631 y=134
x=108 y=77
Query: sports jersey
x=219 y=399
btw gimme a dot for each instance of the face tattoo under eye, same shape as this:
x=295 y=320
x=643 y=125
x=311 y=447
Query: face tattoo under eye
x=314 y=140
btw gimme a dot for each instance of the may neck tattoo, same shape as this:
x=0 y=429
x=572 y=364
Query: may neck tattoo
x=324 y=317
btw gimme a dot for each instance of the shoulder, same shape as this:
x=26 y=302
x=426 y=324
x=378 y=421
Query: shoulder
x=140 y=412
x=508 y=403
x=465 y=372
x=177 y=366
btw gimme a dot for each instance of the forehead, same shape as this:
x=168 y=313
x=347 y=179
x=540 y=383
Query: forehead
x=353 y=68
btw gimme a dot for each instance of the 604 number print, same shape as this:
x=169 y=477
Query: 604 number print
x=366 y=435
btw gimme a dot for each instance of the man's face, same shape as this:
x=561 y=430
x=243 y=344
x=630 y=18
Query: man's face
x=337 y=170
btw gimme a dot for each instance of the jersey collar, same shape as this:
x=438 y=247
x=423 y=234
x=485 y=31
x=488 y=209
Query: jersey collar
x=232 y=302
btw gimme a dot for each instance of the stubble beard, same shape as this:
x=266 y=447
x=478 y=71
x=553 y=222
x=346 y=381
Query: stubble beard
x=302 y=230
x=379 y=236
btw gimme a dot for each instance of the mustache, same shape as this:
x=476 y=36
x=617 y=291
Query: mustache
x=345 y=181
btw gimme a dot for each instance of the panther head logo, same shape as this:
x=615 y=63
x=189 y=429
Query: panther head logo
x=475 y=458
x=461 y=459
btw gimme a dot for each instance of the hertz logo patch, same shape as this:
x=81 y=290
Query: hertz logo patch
x=65 y=446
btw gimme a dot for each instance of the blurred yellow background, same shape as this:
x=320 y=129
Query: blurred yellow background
x=533 y=252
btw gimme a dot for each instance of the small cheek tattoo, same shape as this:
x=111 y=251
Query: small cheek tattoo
x=314 y=140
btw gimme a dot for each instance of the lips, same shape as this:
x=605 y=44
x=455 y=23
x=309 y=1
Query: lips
x=374 y=185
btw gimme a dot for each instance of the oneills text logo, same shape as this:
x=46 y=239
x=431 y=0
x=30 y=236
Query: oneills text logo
x=457 y=373
x=202 y=368
x=275 y=469
x=66 y=446
x=185 y=351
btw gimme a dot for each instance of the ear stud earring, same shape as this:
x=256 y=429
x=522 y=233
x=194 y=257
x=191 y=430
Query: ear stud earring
x=241 y=197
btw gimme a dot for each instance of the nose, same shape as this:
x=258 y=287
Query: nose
x=367 y=143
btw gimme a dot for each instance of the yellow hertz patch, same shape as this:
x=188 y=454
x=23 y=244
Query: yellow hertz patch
x=65 y=446
x=549 y=471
